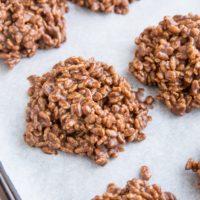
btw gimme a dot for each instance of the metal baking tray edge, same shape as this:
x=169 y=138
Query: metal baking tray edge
x=7 y=189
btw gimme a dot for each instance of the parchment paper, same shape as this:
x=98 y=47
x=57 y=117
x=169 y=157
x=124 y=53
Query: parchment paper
x=170 y=140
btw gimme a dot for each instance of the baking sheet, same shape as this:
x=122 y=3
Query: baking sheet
x=170 y=140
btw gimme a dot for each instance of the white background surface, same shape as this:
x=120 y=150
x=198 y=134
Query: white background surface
x=170 y=140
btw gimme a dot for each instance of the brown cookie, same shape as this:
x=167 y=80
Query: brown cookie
x=28 y=25
x=168 y=56
x=84 y=107
x=135 y=189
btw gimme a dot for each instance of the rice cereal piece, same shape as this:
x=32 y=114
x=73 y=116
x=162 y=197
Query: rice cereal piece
x=145 y=173
x=194 y=166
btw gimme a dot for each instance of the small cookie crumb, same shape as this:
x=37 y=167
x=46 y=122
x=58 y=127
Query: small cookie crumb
x=194 y=166
x=145 y=173
x=119 y=7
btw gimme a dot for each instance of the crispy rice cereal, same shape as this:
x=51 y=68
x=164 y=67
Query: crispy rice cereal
x=84 y=107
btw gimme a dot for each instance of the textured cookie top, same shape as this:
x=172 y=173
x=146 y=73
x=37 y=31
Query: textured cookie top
x=84 y=107
x=168 y=56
